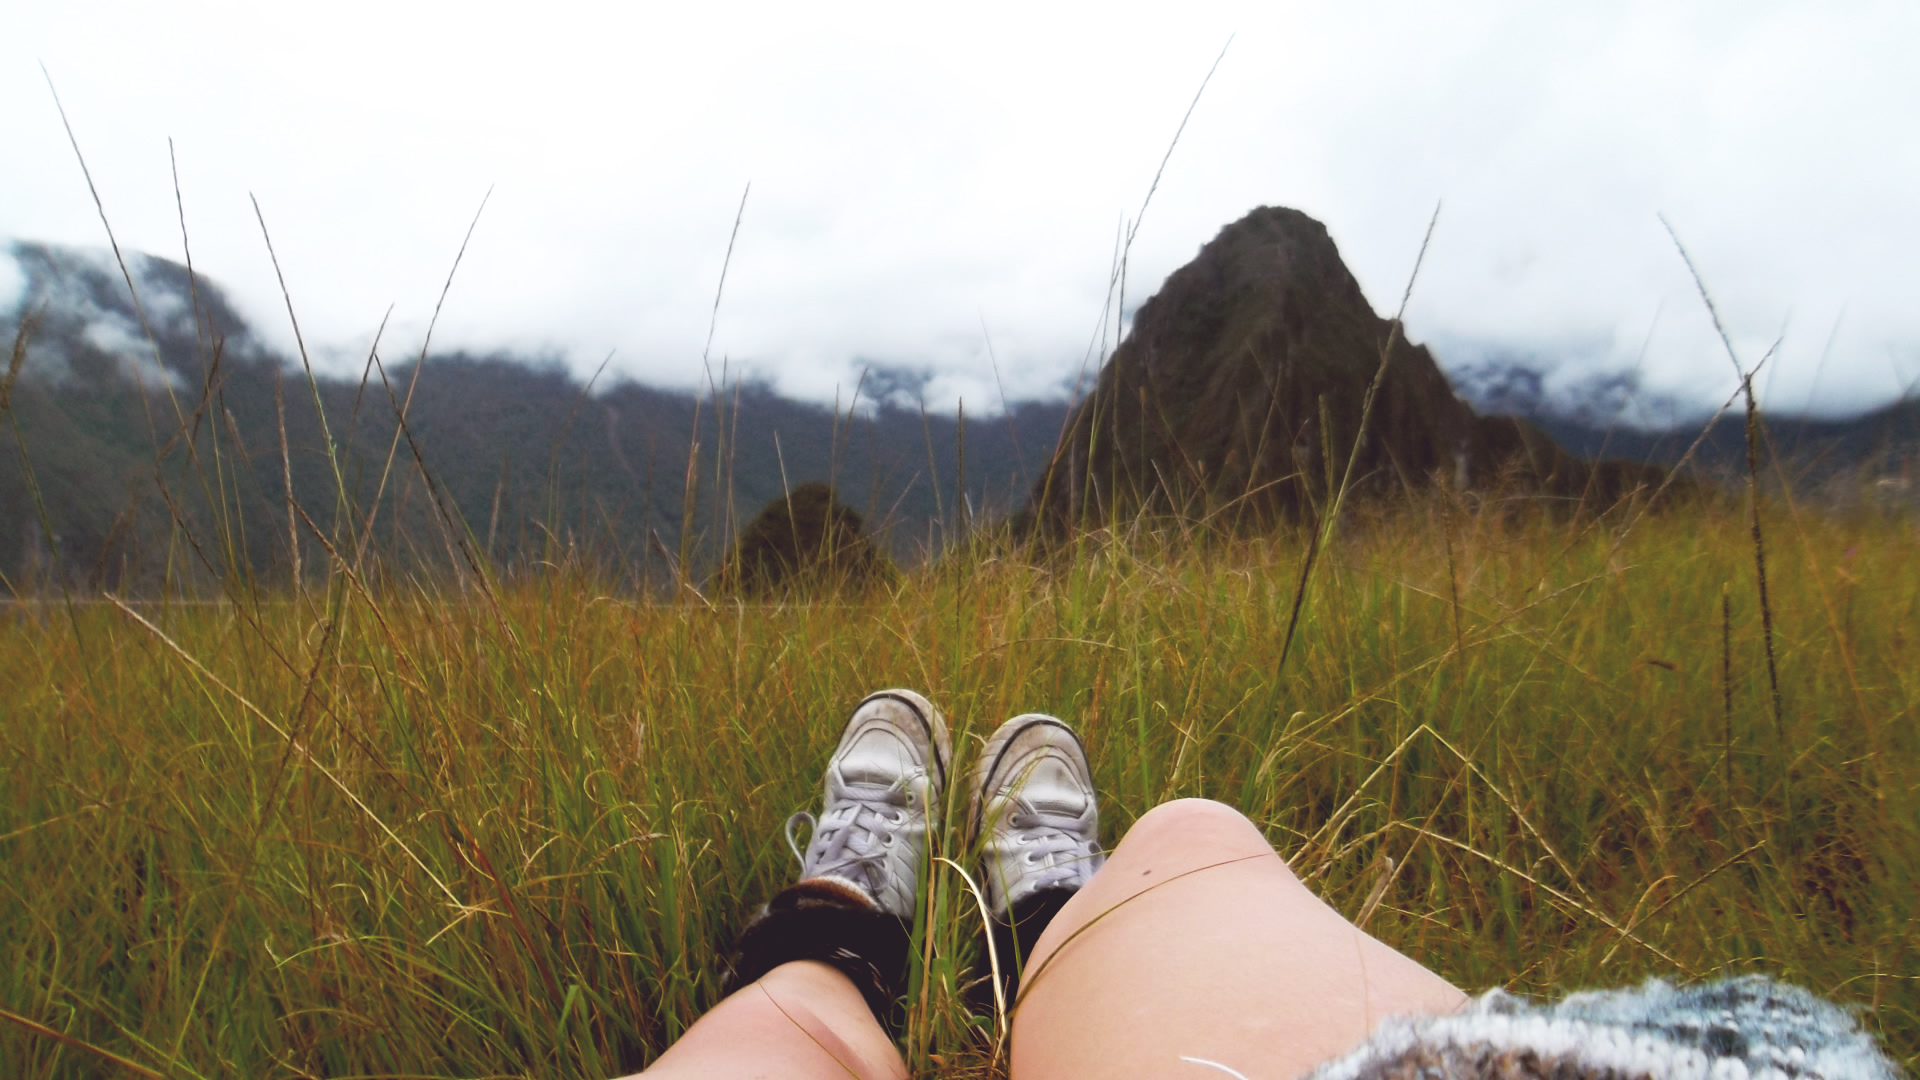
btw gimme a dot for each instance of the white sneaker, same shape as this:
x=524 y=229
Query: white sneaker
x=882 y=785
x=1035 y=811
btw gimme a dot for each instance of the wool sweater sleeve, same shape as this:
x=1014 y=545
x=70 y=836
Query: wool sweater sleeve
x=1750 y=1028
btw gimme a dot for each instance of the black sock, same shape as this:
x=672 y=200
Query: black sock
x=1013 y=937
x=834 y=923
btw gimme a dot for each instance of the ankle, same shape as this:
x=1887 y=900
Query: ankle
x=831 y=921
x=1016 y=930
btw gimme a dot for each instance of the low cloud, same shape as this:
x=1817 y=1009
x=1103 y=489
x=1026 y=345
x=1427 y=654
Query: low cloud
x=926 y=181
x=82 y=295
x=13 y=283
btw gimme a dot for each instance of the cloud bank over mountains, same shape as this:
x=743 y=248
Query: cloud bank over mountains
x=78 y=296
x=13 y=282
x=925 y=182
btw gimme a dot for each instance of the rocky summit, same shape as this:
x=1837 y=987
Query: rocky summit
x=1238 y=396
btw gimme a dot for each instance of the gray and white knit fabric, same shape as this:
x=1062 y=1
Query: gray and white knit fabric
x=1739 y=1029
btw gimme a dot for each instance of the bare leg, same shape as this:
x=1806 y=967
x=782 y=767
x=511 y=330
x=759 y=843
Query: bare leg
x=803 y=1019
x=815 y=964
x=1235 y=963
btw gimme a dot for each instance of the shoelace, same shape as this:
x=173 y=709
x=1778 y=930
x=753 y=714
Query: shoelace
x=1045 y=842
x=835 y=837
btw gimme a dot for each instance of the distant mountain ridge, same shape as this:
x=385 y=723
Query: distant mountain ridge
x=524 y=462
x=1594 y=417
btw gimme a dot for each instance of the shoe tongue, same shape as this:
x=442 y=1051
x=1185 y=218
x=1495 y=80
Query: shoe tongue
x=876 y=759
x=1052 y=788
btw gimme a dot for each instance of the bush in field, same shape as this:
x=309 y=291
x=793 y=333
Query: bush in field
x=805 y=542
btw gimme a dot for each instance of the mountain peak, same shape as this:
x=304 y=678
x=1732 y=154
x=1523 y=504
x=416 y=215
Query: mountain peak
x=1242 y=387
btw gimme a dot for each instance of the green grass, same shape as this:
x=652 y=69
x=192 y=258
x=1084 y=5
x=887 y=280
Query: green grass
x=420 y=831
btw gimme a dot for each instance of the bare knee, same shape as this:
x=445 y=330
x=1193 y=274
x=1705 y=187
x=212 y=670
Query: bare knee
x=1192 y=824
x=1185 y=815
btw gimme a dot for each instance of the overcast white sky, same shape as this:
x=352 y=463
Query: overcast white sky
x=920 y=170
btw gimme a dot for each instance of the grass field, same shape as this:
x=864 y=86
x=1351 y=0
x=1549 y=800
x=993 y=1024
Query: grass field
x=415 y=830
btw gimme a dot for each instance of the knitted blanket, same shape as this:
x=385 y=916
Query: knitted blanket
x=1739 y=1029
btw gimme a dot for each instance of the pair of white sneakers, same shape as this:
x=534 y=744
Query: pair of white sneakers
x=1033 y=807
